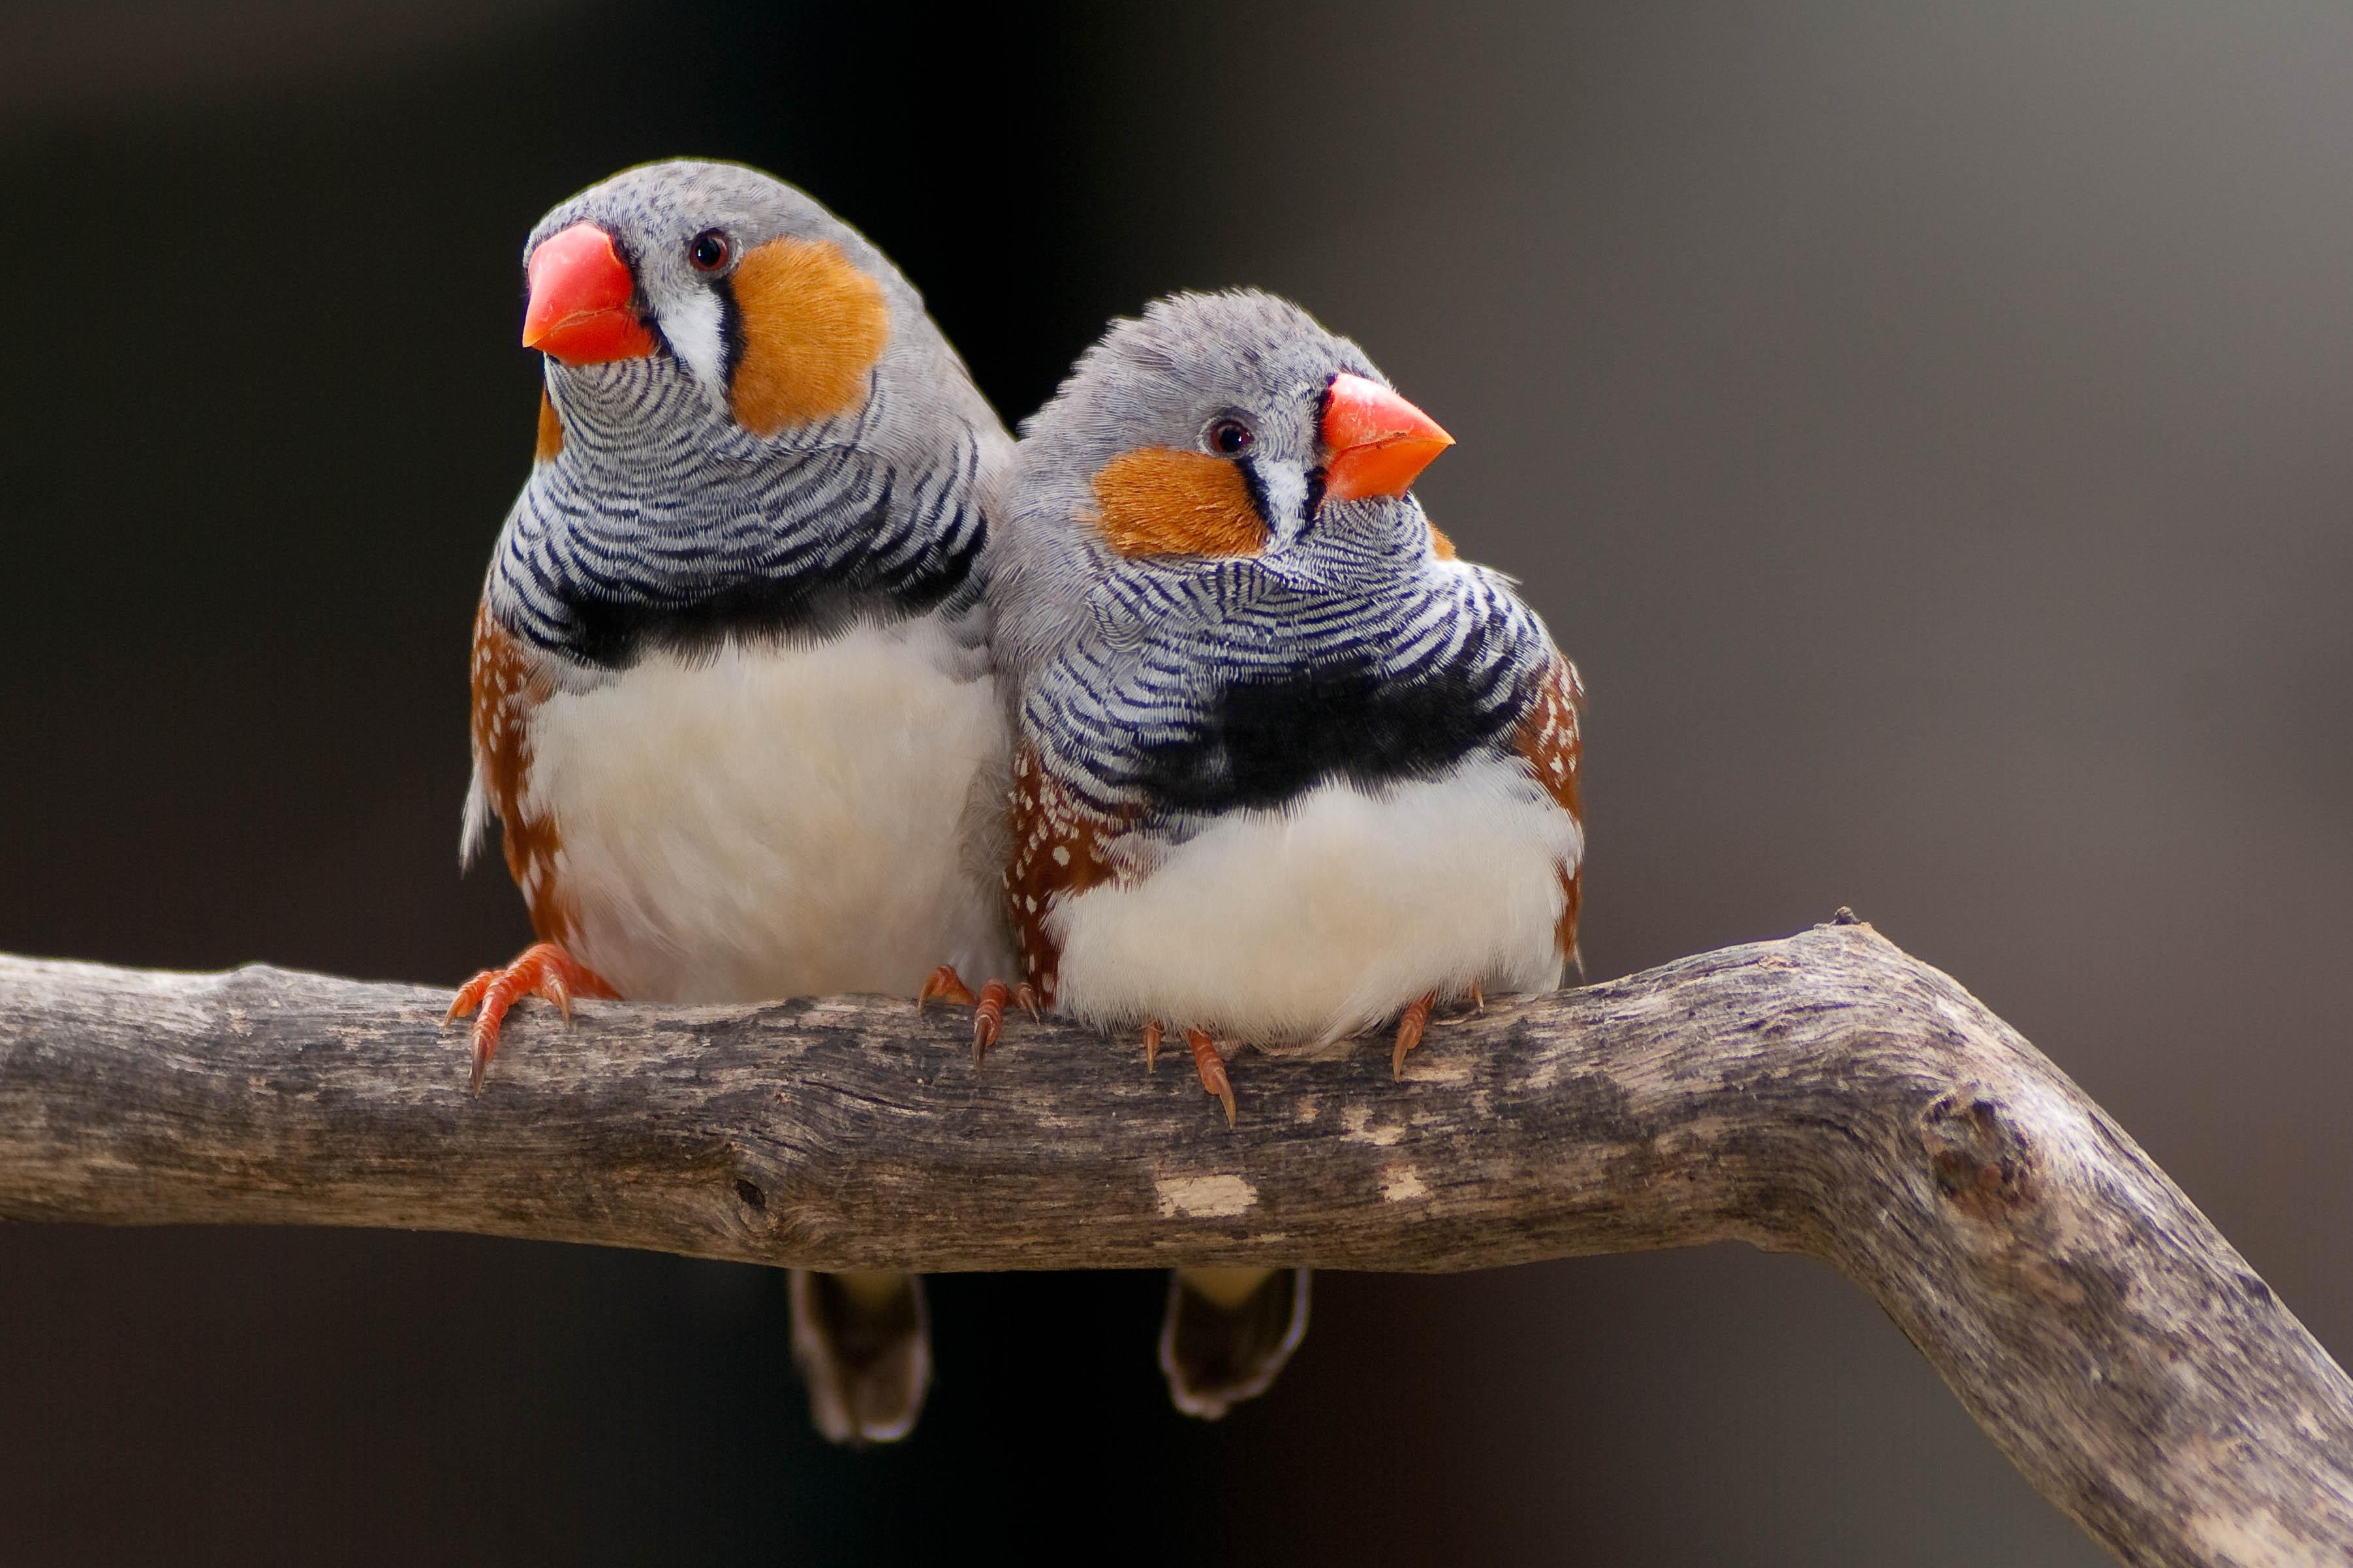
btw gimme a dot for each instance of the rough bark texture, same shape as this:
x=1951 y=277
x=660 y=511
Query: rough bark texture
x=1825 y=1094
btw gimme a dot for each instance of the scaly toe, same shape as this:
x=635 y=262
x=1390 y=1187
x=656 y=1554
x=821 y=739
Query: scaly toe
x=944 y=985
x=987 y=1019
x=470 y=996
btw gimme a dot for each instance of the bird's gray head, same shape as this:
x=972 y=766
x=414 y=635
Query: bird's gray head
x=1214 y=589
x=751 y=428
x=777 y=315
x=1220 y=425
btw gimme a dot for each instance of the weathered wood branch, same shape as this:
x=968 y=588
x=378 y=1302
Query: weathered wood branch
x=1826 y=1094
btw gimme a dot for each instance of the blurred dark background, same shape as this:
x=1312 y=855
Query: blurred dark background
x=1927 y=425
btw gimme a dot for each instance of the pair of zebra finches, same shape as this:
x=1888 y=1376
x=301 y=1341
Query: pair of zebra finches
x=795 y=674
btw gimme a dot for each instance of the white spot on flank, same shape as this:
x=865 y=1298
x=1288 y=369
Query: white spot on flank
x=1402 y=1184
x=1203 y=1198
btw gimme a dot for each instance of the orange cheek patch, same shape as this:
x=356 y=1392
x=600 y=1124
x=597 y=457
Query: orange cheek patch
x=550 y=434
x=813 y=327
x=1440 y=545
x=1161 y=501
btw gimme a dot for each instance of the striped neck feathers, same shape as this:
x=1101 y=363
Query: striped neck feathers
x=1242 y=688
x=659 y=522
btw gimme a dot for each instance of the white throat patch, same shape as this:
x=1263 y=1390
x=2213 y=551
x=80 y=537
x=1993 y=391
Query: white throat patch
x=693 y=326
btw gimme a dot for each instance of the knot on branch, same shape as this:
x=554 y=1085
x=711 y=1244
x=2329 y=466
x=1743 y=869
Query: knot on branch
x=1983 y=1160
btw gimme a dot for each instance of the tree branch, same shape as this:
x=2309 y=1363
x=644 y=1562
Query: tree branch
x=1826 y=1094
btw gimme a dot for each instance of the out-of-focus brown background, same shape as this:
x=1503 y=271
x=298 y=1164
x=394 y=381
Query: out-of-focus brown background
x=1929 y=425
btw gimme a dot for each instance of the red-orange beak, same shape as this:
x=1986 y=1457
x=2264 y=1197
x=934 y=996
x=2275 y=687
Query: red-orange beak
x=1377 y=440
x=580 y=291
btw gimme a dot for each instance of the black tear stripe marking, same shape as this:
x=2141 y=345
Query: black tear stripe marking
x=1267 y=739
x=1254 y=483
x=731 y=331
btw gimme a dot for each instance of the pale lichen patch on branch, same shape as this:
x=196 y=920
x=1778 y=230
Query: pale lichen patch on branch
x=1204 y=1197
x=1402 y=1183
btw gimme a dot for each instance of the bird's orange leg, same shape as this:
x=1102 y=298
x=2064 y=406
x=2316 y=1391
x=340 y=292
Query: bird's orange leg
x=1410 y=1024
x=988 y=1008
x=1212 y=1069
x=1151 y=1042
x=542 y=969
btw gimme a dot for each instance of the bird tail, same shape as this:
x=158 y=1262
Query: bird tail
x=1228 y=1333
x=864 y=1343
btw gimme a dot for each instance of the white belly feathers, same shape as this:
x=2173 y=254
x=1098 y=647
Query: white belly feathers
x=776 y=822
x=1325 y=917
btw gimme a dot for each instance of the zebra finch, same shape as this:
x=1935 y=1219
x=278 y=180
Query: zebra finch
x=732 y=699
x=1286 y=769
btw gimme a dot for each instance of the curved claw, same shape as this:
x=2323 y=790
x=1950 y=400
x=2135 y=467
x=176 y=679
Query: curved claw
x=1212 y=1069
x=1410 y=1024
x=1151 y=1042
x=543 y=970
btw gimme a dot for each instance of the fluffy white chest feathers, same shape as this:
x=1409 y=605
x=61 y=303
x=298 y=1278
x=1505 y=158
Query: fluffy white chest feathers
x=1324 y=918
x=778 y=821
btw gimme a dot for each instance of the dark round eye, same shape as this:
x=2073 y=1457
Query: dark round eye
x=708 y=251
x=1228 y=438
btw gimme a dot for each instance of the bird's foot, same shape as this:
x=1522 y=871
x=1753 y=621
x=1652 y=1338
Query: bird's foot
x=1212 y=1069
x=542 y=969
x=1152 y=1033
x=944 y=985
x=988 y=1008
x=1410 y=1024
